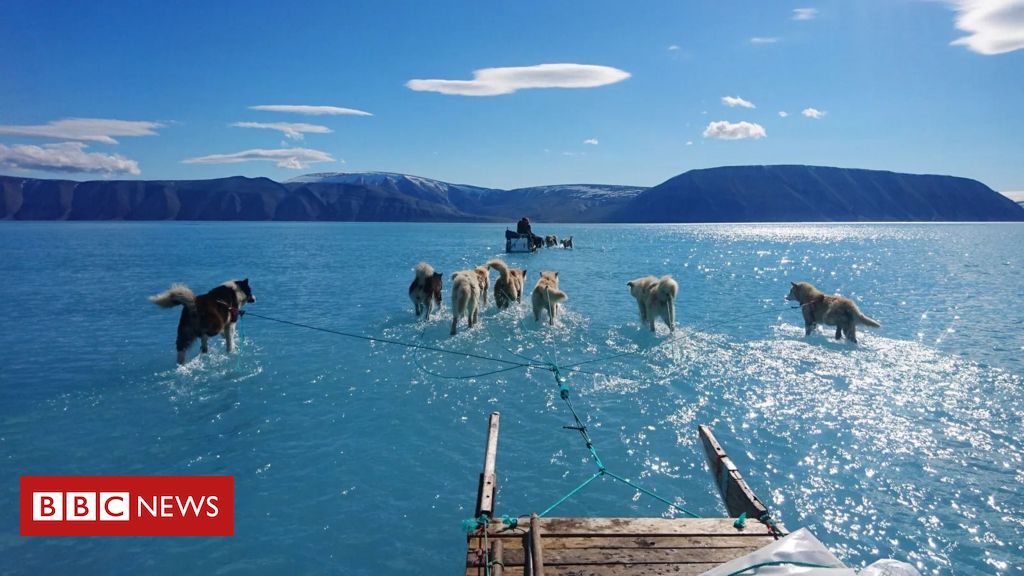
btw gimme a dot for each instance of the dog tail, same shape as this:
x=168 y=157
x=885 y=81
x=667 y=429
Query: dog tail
x=867 y=321
x=500 y=266
x=555 y=296
x=177 y=295
x=424 y=271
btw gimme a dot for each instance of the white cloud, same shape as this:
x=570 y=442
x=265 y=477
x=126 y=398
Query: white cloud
x=85 y=129
x=805 y=13
x=994 y=26
x=673 y=47
x=591 y=141
x=496 y=81
x=783 y=114
x=65 y=157
x=310 y=110
x=294 y=158
x=813 y=113
x=1015 y=195
x=734 y=101
x=574 y=154
x=289 y=129
x=724 y=130
x=689 y=142
x=764 y=40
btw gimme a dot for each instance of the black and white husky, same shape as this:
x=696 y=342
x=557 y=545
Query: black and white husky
x=210 y=314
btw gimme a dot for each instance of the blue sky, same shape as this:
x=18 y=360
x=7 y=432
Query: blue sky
x=658 y=88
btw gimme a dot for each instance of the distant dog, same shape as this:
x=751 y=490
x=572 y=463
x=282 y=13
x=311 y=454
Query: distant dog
x=465 y=298
x=550 y=241
x=546 y=296
x=425 y=290
x=656 y=299
x=567 y=243
x=508 y=287
x=215 y=312
x=483 y=276
x=837 y=311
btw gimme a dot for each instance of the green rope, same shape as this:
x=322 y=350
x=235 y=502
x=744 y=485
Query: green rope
x=572 y=493
x=652 y=494
x=388 y=341
x=780 y=563
x=564 y=393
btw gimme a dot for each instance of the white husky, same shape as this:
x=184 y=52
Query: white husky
x=465 y=297
x=656 y=299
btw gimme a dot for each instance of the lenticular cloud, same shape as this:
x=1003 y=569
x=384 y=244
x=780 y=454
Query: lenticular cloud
x=497 y=81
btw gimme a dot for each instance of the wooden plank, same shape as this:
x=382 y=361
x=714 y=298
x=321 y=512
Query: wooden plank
x=487 y=489
x=620 y=556
x=620 y=570
x=735 y=492
x=536 y=565
x=638 y=527
x=498 y=558
x=630 y=541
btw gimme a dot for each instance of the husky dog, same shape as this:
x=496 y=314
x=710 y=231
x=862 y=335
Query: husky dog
x=465 y=297
x=546 y=296
x=835 y=311
x=215 y=312
x=508 y=287
x=550 y=241
x=425 y=290
x=656 y=299
x=483 y=276
x=567 y=243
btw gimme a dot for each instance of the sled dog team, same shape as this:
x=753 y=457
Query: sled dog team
x=655 y=298
x=217 y=312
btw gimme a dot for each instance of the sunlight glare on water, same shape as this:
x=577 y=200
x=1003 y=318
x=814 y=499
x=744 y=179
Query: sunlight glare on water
x=344 y=452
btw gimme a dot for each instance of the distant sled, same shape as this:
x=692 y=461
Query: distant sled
x=515 y=242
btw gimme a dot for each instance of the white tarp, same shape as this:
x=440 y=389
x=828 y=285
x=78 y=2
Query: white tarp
x=801 y=547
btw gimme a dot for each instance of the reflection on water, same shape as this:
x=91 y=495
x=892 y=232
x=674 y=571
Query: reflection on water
x=905 y=445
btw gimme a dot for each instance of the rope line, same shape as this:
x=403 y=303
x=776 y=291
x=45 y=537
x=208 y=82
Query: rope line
x=552 y=365
x=389 y=341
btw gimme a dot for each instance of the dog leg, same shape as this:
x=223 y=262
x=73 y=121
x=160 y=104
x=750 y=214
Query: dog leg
x=229 y=337
x=205 y=348
x=839 y=332
x=808 y=328
x=181 y=357
x=455 y=325
x=851 y=332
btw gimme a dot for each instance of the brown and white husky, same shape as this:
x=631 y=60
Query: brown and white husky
x=546 y=296
x=655 y=297
x=425 y=290
x=206 y=315
x=508 y=288
x=837 y=311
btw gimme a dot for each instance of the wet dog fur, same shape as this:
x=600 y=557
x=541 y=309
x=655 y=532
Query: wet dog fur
x=508 y=288
x=465 y=298
x=206 y=315
x=425 y=290
x=819 y=308
x=567 y=243
x=483 y=276
x=655 y=298
x=547 y=296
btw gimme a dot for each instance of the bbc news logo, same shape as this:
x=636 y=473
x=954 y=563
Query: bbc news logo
x=127 y=506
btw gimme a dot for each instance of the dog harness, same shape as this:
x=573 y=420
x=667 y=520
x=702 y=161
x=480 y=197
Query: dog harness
x=233 y=311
